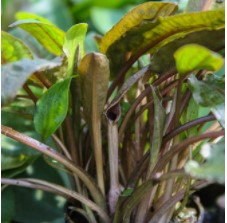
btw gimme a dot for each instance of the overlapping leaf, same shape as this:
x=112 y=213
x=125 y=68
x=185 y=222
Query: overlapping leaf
x=149 y=35
x=13 y=49
x=27 y=15
x=209 y=95
x=50 y=36
x=94 y=74
x=163 y=59
x=15 y=74
x=74 y=38
x=52 y=108
x=146 y=14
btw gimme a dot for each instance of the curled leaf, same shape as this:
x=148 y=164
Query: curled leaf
x=94 y=73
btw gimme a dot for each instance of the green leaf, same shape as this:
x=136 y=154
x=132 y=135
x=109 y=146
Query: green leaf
x=15 y=74
x=27 y=15
x=74 y=38
x=159 y=120
x=127 y=192
x=127 y=34
x=94 y=74
x=13 y=49
x=195 y=57
x=132 y=201
x=214 y=167
x=16 y=157
x=209 y=94
x=163 y=60
x=8 y=209
x=50 y=36
x=52 y=108
x=11 y=162
x=152 y=34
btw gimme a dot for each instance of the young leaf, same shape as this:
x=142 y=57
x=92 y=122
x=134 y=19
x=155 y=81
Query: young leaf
x=74 y=38
x=195 y=57
x=52 y=108
x=50 y=36
x=209 y=95
x=15 y=74
x=13 y=49
x=27 y=15
x=214 y=168
x=94 y=73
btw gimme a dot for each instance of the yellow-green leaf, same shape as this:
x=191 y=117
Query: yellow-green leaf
x=50 y=36
x=150 y=36
x=13 y=49
x=74 y=38
x=194 y=57
x=142 y=15
x=27 y=15
x=163 y=60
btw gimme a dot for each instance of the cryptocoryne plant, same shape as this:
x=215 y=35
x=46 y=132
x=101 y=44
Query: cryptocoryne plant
x=134 y=129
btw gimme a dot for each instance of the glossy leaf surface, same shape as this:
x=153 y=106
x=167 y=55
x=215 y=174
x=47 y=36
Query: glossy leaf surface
x=15 y=74
x=50 y=36
x=52 y=108
x=13 y=49
x=74 y=38
x=163 y=60
x=195 y=57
